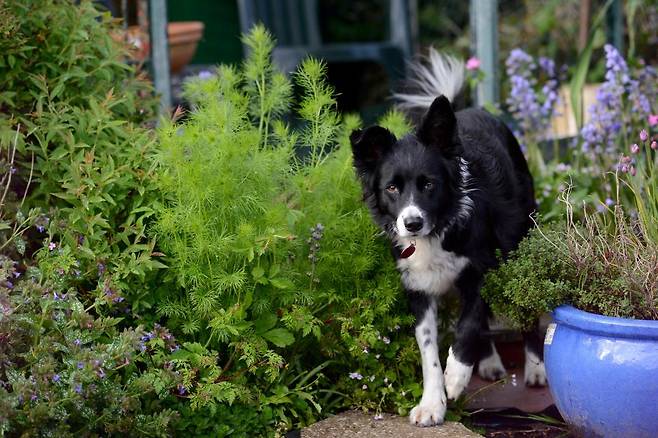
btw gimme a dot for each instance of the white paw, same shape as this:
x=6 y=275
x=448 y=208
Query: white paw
x=535 y=373
x=429 y=413
x=456 y=376
x=491 y=367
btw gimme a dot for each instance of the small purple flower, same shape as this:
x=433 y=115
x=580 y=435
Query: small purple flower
x=81 y=365
x=181 y=390
x=56 y=296
x=56 y=378
x=52 y=245
x=635 y=148
x=9 y=284
x=78 y=388
x=17 y=274
x=77 y=342
x=356 y=376
x=101 y=269
x=41 y=228
x=378 y=417
x=34 y=397
x=205 y=74
x=13 y=170
x=654 y=145
x=643 y=135
x=101 y=373
x=609 y=202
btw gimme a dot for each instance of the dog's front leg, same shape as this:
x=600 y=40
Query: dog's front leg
x=432 y=406
x=468 y=345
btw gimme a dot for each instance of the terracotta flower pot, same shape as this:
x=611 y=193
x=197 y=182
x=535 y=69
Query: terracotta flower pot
x=184 y=37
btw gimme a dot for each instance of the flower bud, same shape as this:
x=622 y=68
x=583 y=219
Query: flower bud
x=644 y=135
x=635 y=148
x=654 y=145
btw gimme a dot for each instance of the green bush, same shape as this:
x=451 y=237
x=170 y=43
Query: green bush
x=601 y=265
x=277 y=272
x=534 y=280
x=76 y=105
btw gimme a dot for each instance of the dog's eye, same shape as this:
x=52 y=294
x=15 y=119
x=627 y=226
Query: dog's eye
x=392 y=188
x=429 y=185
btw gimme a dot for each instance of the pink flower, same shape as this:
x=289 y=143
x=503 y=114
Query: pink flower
x=654 y=145
x=644 y=135
x=635 y=148
x=473 y=64
x=653 y=118
x=633 y=170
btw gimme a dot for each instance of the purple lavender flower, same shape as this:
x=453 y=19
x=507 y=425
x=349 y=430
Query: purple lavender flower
x=532 y=110
x=643 y=135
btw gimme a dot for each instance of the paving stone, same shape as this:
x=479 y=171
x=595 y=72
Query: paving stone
x=357 y=424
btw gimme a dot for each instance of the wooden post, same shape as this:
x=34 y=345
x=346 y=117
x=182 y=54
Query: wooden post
x=484 y=35
x=160 y=52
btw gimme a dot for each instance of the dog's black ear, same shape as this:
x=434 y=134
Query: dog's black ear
x=370 y=145
x=438 y=127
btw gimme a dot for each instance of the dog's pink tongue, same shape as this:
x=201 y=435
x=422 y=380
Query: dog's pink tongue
x=408 y=251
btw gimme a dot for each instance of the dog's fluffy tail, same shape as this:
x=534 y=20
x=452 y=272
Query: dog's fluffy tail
x=439 y=74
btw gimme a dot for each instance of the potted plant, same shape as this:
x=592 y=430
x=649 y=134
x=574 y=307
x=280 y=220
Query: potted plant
x=599 y=277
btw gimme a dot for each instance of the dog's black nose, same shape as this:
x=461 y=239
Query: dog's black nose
x=413 y=224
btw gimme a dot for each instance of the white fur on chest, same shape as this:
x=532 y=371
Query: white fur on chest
x=430 y=268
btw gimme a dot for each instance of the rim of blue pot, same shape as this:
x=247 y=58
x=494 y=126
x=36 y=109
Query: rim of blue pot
x=606 y=325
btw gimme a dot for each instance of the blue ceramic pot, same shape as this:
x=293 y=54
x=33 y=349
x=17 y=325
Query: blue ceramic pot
x=603 y=373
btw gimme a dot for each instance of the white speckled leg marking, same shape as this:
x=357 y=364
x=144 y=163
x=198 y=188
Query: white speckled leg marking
x=457 y=376
x=535 y=373
x=491 y=367
x=432 y=406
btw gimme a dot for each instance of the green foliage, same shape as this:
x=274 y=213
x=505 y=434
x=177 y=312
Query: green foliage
x=278 y=277
x=72 y=106
x=600 y=265
x=533 y=281
x=67 y=372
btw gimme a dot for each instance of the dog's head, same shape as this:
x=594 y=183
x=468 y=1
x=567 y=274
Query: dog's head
x=411 y=184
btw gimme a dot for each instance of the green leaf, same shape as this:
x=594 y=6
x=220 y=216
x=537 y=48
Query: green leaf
x=264 y=323
x=279 y=337
x=579 y=77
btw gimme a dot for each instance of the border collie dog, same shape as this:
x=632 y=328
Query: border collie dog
x=451 y=197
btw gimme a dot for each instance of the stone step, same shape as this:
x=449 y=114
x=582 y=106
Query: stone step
x=357 y=424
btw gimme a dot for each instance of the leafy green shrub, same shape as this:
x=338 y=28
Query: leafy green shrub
x=535 y=279
x=279 y=279
x=76 y=106
x=66 y=372
x=603 y=265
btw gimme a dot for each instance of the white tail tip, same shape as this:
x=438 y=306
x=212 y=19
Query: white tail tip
x=439 y=74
